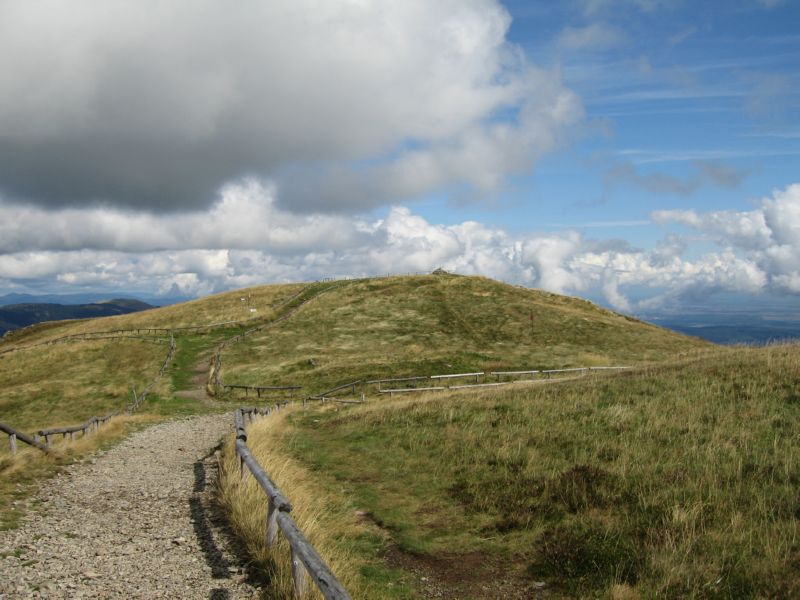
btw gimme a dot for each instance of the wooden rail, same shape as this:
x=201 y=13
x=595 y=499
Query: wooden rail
x=262 y=388
x=305 y=559
x=498 y=374
x=405 y=390
x=86 y=428
x=338 y=388
x=14 y=435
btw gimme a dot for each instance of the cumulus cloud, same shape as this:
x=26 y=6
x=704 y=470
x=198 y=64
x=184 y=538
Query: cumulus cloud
x=769 y=235
x=246 y=238
x=156 y=105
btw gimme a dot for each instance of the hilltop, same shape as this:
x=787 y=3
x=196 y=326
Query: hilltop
x=421 y=325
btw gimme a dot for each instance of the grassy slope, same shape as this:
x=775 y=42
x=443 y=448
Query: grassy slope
x=65 y=384
x=218 y=308
x=678 y=481
x=440 y=324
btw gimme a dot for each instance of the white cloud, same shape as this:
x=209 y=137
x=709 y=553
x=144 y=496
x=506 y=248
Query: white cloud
x=769 y=236
x=155 y=105
x=246 y=239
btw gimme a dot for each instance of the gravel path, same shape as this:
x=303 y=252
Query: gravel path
x=136 y=521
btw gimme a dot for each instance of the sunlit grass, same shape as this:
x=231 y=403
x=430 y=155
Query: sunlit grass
x=442 y=324
x=676 y=481
x=345 y=541
x=65 y=384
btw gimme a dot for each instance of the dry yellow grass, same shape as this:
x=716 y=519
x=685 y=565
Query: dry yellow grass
x=327 y=520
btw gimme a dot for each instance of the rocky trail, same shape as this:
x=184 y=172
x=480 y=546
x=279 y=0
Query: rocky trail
x=135 y=521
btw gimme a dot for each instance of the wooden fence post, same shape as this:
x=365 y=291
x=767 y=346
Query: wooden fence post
x=272 y=523
x=12 y=442
x=299 y=576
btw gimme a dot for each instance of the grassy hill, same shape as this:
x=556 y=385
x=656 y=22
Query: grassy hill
x=415 y=484
x=432 y=324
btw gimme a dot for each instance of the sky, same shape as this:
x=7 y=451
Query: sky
x=640 y=153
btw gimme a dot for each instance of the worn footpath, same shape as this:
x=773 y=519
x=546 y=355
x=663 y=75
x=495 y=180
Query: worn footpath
x=136 y=521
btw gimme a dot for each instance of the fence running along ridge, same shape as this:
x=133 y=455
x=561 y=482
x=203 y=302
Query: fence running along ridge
x=305 y=559
x=134 y=332
x=215 y=381
x=498 y=374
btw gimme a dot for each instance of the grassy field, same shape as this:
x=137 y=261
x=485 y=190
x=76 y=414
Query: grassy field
x=679 y=480
x=441 y=324
x=65 y=384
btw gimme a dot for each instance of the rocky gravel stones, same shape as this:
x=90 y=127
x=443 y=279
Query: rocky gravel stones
x=137 y=521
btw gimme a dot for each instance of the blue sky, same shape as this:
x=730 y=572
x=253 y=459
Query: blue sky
x=641 y=153
x=665 y=85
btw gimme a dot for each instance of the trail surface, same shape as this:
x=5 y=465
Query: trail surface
x=136 y=521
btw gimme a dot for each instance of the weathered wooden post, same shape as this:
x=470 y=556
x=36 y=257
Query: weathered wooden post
x=12 y=442
x=272 y=523
x=299 y=575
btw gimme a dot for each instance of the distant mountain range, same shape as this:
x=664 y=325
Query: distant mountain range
x=15 y=316
x=86 y=298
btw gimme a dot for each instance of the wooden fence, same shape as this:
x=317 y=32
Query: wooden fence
x=546 y=374
x=305 y=559
x=14 y=435
x=86 y=428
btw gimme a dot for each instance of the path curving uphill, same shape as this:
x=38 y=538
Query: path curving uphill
x=134 y=522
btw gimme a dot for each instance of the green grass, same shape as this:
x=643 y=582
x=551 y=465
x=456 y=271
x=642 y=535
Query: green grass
x=441 y=324
x=65 y=384
x=678 y=481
